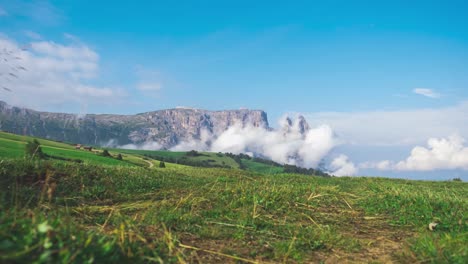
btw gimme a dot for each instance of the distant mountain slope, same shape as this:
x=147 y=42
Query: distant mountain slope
x=167 y=127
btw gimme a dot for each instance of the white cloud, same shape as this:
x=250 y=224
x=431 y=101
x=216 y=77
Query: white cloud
x=440 y=153
x=426 y=92
x=149 y=87
x=183 y=107
x=381 y=165
x=283 y=146
x=389 y=135
x=49 y=73
x=395 y=128
x=290 y=147
x=144 y=146
x=202 y=144
x=341 y=166
x=75 y=52
x=444 y=153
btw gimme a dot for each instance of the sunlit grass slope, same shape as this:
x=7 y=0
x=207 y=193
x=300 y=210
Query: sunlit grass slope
x=54 y=211
x=12 y=146
x=209 y=159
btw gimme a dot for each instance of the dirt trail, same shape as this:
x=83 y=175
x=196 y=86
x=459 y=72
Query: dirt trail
x=150 y=164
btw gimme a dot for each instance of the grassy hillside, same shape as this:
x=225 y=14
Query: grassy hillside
x=201 y=159
x=160 y=153
x=67 y=212
x=104 y=210
x=12 y=146
x=206 y=159
x=13 y=137
x=253 y=166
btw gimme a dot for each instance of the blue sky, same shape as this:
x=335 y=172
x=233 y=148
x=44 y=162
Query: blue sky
x=305 y=57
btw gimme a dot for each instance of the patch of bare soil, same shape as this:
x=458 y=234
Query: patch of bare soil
x=380 y=243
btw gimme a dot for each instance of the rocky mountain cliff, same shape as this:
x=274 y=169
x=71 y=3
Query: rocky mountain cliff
x=166 y=127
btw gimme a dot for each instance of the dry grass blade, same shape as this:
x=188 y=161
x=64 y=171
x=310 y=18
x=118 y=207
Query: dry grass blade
x=312 y=196
x=231 y=225
x=348 y=204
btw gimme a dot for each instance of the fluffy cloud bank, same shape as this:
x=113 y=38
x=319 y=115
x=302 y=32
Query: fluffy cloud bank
x=290 y=144
x=46 y=73
x=290 y=147
x=440 y=153
x=342 y=166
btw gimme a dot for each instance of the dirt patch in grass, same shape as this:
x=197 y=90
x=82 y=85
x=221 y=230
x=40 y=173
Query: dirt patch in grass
x=379 y=243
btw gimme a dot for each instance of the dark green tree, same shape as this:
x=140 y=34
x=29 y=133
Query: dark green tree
x=106 y=153
x=33 y=149
x=162 y=164
x=119 y=157
x=192 y=153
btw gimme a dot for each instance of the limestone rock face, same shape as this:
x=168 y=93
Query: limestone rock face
x=166 y=127
x=303 y=125
x=298 y=125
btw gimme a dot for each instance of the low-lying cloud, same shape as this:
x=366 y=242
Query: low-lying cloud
x=439 y=154
x=342 y=166
x=291 y=147
x=142 y=146
x=290 y=144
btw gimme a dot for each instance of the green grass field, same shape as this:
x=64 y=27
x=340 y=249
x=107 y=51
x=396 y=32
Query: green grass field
x=211 y=159
x=217 y=159
x=95 y=212
x=260 y=167
x=12 y=146
x=11 y=149
x=162 y=153
x=44 y=142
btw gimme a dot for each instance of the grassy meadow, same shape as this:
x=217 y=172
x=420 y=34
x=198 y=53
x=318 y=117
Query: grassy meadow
x=12 y=146
x=105 y=210
x=205 y=159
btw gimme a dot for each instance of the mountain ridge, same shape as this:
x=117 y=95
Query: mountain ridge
x=167 y=126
